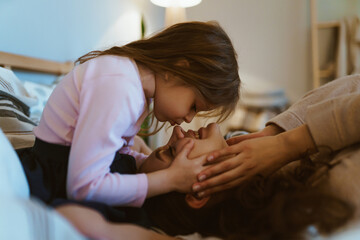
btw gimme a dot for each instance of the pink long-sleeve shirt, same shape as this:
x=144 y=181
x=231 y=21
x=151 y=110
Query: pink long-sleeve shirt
x=97 y=109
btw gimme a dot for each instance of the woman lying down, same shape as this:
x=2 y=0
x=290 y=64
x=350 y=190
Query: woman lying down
x=285 y=205
x=281 y=206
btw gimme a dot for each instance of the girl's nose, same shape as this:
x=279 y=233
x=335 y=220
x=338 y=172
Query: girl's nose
x=188 y=118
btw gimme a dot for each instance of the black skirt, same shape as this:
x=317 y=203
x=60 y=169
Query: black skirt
x=45 y=166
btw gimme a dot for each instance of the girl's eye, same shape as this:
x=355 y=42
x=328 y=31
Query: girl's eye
x=194 y=107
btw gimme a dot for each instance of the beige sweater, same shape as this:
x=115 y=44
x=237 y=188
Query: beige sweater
x=332 y=113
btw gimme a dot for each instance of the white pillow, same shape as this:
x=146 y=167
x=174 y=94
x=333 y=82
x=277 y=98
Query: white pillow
x=12 y=176
x=10 y=84
x=28 y=219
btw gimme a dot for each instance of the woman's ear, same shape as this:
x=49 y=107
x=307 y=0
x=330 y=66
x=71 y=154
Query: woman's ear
x=194 y=202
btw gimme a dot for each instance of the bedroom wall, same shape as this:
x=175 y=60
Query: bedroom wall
x=272 y=38
x=64 y=30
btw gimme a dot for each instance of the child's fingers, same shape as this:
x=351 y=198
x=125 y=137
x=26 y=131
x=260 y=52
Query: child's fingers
x=185 y=150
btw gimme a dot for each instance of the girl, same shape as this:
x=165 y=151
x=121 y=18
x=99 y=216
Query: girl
x=82 y=148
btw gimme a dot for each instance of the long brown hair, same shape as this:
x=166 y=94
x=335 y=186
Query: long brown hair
x=281 y=206
x=212 y=68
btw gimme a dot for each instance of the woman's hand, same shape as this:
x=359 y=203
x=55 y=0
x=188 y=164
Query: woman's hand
x=258 y=155
x=270 y=130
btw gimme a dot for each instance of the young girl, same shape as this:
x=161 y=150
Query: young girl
x=82 y=148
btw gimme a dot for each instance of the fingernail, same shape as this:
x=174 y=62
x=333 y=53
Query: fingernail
x=210 y=158
x=202 y=178
x=196 y=188
x=201 y=194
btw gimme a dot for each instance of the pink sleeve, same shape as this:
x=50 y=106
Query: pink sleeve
x=139 y=157
x=109 y=107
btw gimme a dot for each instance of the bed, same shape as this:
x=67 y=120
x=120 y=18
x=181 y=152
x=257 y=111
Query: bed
x=17 y=121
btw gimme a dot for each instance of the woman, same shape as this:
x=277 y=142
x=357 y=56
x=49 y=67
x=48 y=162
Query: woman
x=281 y=206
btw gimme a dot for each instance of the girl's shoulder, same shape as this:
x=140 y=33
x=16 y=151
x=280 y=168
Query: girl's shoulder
x=110 y=64
x=116 y=69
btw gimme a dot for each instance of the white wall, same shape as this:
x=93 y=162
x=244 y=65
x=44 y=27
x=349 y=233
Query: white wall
x=271 y=37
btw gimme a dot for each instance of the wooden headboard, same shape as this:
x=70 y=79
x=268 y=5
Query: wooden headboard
x=31 y=64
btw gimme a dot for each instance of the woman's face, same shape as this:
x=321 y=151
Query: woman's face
x=205 y=140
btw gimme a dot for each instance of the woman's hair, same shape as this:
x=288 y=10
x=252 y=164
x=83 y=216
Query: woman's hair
x=212 y=67
x=281 y=206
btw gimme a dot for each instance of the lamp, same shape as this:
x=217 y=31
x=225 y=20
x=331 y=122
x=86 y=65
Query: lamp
x=175 y=9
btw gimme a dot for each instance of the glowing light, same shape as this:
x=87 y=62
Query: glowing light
x=176 y=3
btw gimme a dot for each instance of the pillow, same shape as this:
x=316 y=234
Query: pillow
x=12 y=177
x=15 y=103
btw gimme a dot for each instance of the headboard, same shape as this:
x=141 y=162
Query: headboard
x=31 y=64
x=22 y=102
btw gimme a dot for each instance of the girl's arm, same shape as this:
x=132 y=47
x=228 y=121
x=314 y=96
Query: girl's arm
x=91 y=224
x=179 y=176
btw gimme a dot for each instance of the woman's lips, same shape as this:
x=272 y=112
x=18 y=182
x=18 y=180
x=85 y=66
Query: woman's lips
x=200 y=132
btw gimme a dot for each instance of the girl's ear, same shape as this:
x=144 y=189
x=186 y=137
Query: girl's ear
x=193 y=202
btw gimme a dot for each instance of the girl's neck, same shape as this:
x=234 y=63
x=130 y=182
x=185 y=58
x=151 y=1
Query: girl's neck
x=147 y=77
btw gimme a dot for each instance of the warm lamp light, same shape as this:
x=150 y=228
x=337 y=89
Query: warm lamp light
x=176 y=3
x=175 y=9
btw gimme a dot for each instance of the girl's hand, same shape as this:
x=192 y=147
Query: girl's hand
x=261 y=155
x=183 y=171
x=179 y=176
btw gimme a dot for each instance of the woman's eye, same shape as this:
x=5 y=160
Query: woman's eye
x=172 y=151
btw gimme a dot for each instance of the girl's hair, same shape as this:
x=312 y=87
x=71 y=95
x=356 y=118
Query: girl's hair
x=281 y=206
x=212 y=67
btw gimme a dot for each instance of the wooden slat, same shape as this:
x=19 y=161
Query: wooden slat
x=31 y=64
x=332 y=24
x=314 y=45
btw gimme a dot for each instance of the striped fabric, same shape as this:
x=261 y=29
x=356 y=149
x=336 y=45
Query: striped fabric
x=14 y=110
x=14 y=115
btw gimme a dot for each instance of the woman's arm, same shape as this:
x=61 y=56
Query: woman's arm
x=263 y=155
x=327 y=115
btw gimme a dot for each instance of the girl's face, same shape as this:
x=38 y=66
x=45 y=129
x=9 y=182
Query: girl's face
x=175 y=103
x=205 y=140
